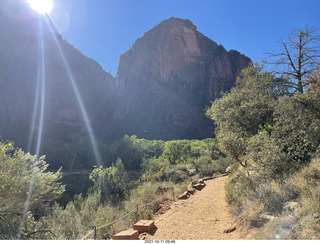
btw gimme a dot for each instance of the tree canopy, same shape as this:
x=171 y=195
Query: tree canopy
x=265 y=129
x=19 y=171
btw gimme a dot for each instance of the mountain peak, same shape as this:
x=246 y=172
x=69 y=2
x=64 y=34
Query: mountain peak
x=173 y=21
x=163 y=85
x=168 y=78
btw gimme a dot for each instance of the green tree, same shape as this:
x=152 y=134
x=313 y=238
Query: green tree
x=177 y=151
x=297 y=126
x=153 y=168
x=270 y=161
x=246 y=109
x=130 y=152
x=111 y=182
x=18 y=172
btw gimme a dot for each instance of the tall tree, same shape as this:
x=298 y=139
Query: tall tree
x=112 y=182
x=18 y=172
x=299 y=57
x=246 y=109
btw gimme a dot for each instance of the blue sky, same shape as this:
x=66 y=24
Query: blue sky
x=104 y=29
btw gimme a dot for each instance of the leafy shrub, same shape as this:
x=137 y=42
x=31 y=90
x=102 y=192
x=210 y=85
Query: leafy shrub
x=239 y=187
x=154 y=168
x=77 y=218
x=112 y=183
x=20 y=175
x=270 y=162
x=307 y=184
x=274 y=203
x=178 y=173
x=305 y=187
x=206 y=166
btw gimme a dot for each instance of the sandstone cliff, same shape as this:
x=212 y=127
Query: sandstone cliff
x=169 y=77
x=163 y=85
x=23 y=33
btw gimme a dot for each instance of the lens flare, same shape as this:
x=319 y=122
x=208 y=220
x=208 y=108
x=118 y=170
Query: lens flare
x=41 y=6
x=78 y=96
x=40 y=84
x=40 y=95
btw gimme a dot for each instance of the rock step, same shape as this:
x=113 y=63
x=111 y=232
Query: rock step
x=127 y=235
x=143 y=225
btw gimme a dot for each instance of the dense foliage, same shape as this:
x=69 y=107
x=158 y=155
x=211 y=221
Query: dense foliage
x=273 y=134
x=26 y=190
x=112 y=183
x=162 y=164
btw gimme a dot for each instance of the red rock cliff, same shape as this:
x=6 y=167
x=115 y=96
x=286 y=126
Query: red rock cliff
x=169 y=77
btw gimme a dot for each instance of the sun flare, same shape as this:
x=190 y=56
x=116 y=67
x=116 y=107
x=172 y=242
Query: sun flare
x=41 y=6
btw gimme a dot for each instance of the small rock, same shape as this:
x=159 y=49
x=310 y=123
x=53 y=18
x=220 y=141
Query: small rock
x=267 y=217
x=201 y=181
x=199 y=186
x=228 y=169
x=191 y=191
x=143 y=236
x=185 y=195
x=230 y=230
x=292 y=206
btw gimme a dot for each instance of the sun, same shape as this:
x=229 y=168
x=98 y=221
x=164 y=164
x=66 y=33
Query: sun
x=41 y=6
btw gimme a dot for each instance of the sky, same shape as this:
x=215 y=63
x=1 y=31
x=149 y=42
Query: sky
x=105 y=29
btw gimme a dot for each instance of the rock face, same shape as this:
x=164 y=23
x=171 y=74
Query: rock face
x=169 y=77
x=163 y=85
x=30 y=44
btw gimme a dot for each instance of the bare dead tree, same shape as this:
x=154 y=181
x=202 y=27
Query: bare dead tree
x=298 y=59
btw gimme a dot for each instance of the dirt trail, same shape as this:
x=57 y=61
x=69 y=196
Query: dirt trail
x=204 y=216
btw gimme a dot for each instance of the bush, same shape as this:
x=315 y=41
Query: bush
x=154 y=168
x=205 y=166
x=20 y=175
x=307 y=184
x=145 y=194
x=274 y=203
x=112 y=183
x=77 y=218
x=239 y=187
x=178 y=173
x=270 y=162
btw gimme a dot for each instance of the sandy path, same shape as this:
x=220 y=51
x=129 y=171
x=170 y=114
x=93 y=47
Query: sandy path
x=204 y=216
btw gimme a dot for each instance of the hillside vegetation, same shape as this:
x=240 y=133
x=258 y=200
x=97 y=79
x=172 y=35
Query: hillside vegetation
x=164 y=166
x=267 y=139
x=274 y=135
